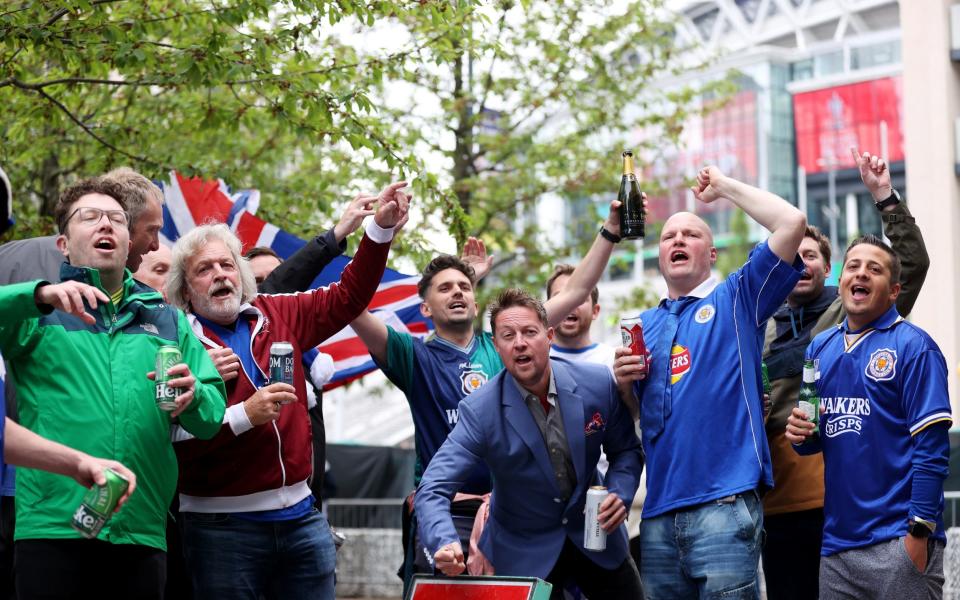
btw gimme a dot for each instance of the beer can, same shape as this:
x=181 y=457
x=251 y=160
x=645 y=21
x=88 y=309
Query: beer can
x=167 y=356
x=765 y=378
x=631 y=331
x=594 y=537
x=99 y=503
x=281 y=363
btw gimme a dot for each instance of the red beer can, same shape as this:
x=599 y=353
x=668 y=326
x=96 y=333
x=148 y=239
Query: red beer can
x=631 y=330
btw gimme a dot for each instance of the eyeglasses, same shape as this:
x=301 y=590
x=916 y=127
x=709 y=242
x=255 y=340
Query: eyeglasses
x=91 y=216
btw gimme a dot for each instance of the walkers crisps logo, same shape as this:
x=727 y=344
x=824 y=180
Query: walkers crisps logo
x=679 y=362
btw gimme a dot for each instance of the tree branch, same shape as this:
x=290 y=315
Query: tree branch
x=65 y=11
x=92 y=134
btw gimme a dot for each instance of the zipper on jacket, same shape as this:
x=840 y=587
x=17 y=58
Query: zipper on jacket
x=283 y=469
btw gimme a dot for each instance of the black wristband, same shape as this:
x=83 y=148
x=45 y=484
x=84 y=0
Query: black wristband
x=614 y=239
x=892 y=199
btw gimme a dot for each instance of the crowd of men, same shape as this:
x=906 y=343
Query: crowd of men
x=513 y=426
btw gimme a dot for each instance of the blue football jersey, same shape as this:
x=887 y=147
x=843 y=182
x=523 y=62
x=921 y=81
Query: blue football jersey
x=713 y=443
x=435 y=375
x=878 y=388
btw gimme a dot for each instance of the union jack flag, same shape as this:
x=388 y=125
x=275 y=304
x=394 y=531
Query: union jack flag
x=192 y=201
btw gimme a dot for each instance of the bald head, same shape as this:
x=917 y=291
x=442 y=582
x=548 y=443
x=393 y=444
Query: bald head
x=686 y=253
x=154 y=267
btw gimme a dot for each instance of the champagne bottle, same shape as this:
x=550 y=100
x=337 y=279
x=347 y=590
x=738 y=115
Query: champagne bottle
x=632 y=216
x=808 y=400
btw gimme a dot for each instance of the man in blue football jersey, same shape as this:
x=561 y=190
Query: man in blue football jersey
x=701 y=413
x=884 y=418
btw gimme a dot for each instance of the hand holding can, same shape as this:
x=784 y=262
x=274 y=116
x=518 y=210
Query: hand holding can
x=99 y=503
x=281 y=364
x=167 y=357
x=594 y=536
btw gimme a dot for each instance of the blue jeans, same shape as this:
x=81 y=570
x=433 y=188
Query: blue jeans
x=706 y=551
x=234 y=558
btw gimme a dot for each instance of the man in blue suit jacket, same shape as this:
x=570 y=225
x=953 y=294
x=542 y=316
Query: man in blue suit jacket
x=538 y=426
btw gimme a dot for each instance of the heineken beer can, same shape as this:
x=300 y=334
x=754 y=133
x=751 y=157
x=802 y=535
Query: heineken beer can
x=99 y=503
x=167 y=356
x=631 y=331
x=281 y=363
x=594 y=537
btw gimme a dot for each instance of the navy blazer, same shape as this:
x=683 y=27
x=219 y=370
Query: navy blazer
x=528 y=521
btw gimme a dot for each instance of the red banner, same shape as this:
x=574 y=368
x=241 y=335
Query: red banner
x=829 y=121
x=726 y=137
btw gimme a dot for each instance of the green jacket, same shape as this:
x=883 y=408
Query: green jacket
x=86 y=386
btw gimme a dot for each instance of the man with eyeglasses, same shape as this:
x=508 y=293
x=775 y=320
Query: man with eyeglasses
x=39 y=258
x=81 y=353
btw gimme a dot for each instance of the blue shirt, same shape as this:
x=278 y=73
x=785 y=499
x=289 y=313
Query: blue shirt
x=237 y=339
x=436 y=375
x=713 y=442
x=879 y=395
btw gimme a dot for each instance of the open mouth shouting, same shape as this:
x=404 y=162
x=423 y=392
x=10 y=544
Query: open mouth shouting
x=679 y=257
x=522 y=360
x=859 y=292
x=105 y=244
x=223 y=291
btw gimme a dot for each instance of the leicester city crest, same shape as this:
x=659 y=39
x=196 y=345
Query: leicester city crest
x=882 y=365
x=704 y=313
x=472 y=381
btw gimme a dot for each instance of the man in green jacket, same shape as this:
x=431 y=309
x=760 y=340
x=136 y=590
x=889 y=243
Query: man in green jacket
x=793 y=510
x=81 y=353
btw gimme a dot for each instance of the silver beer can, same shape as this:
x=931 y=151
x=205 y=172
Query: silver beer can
x=594 y=537
x=281 y=363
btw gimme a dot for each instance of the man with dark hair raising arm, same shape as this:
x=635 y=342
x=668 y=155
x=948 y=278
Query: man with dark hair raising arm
x=884 y=417
x=793 y=510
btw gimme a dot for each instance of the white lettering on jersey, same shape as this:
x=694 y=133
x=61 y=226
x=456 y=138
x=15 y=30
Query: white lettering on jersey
x=844 y=415
x=453 y=415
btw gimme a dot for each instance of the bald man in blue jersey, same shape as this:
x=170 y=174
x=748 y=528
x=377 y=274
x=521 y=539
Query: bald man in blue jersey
x=701 y=413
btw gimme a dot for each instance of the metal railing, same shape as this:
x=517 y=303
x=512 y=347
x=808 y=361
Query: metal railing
x=361 y=513
x=951 y=509
x=386 y=512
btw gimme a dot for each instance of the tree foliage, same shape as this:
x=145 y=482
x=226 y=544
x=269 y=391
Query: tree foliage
x=486 y=105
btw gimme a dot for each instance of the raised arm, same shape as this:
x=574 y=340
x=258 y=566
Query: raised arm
x=784 y=221
x=475 y=254
x=298 y=272
x=585 y=277
x=900 y=228
x=373 y=332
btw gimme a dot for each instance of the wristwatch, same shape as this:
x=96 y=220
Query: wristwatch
x=892 y=199
x=610 y=237
x=920 y=528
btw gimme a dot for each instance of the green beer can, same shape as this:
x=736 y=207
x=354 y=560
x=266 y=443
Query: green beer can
x=98 y=504
x=167 y=356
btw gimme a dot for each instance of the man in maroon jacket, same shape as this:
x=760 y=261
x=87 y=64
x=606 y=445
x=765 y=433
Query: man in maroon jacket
x=249 y=524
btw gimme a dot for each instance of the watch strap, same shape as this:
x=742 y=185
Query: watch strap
x=921 y=528
x=610 y=237
x=893 y=198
